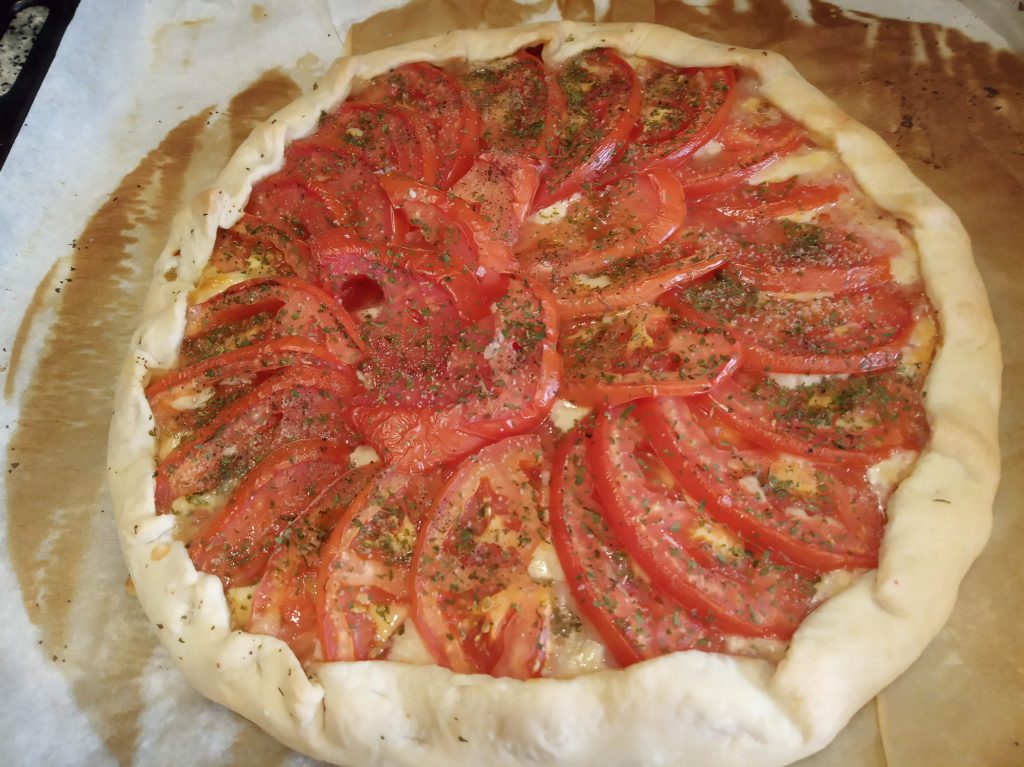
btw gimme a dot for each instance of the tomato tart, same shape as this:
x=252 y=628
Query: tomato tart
x=565 y=394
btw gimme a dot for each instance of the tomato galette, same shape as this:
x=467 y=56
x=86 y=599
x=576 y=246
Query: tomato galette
x=569 y=394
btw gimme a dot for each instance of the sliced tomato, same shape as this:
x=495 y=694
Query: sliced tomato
x=521 y=105
x=755 y=136
x=475 y=605
x=236 y=543
x=363 y=596
x=262 y=308
x=854 y=332
x=299 y=403
x=682 y=110
x=644 y=351
x=188 y=398
x=779 y=502
x=392 y=138
x=604 y=98
x=846 y=420
x=449 y=224
x=695 y=560
x=635 y=620
x=501 y=380
x=347 y=186
x=628 y=217
x=291 y=206
x=500 y=187
x=284 y=603
x=690 y=254
x=446 y=107
x=791 y=257
x=258 y=248
x=773 y=199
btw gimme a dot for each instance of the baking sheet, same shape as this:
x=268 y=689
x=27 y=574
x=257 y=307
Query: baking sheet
x=144 y=104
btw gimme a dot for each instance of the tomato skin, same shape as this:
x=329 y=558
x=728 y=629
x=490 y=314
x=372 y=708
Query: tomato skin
x=523 y=357
x=238 y=542
x=451 y=223
x=474 y=603
x=772 y=200
x=500 y=187
x=284 y=604
x=230 y=375
x=819 y=540
x=688 y=557
x=634 y=620
x=365 y=566
x=675 y=355
x=445 y=106
x=521 y=105
x=299 y=403
x=263 y=308
x=808 y=420
x=604 y=98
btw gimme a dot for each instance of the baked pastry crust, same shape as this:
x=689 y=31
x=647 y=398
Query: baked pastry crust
x=685 y=708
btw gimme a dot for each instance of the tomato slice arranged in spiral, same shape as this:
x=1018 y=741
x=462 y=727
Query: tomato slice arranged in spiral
x=262 y=249
x=475 y=605
x=604 y=98
x=284 y=603
x=299 y=403
x=778 y=502
x=521 y=105
x=688 y=555
x=363 y=594
x=855 y=420
x=264 y=308
x=443 y=103
x=643 y=351
x=633 y=618
x=500 y=187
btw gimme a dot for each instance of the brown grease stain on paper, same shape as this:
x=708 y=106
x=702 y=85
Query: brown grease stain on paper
x=56 y=533
x=950 y=106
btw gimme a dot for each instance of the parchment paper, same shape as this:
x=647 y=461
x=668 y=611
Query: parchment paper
x=144 y=104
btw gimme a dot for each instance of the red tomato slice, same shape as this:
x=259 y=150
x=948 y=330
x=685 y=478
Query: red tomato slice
x=626 y=218
x=521 y=105
x=682 y=110
x=777 y=502
x=188 y=398
x=855 y=420
x=604 y=98
x=644 y=351
x=756 y=135
x=695 y=560
x=832 y=333
x=236 y=544
x=392 y=138
x=299 y=403
x=346 y=185
x=449 y=224
x=501 y=380
x=284 y=604
x=790 y=257
x=264 y=308
x=624 y=282
x=362 y=596
x=475 y=605
x=291 y=206
x=500 y=187
x=773 y=200
x=257 y=247
x=634 y=620
x=445 y=106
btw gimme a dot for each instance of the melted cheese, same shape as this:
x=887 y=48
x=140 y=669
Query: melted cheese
x=213 y=282
x=806 y=162
x=565 y=414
